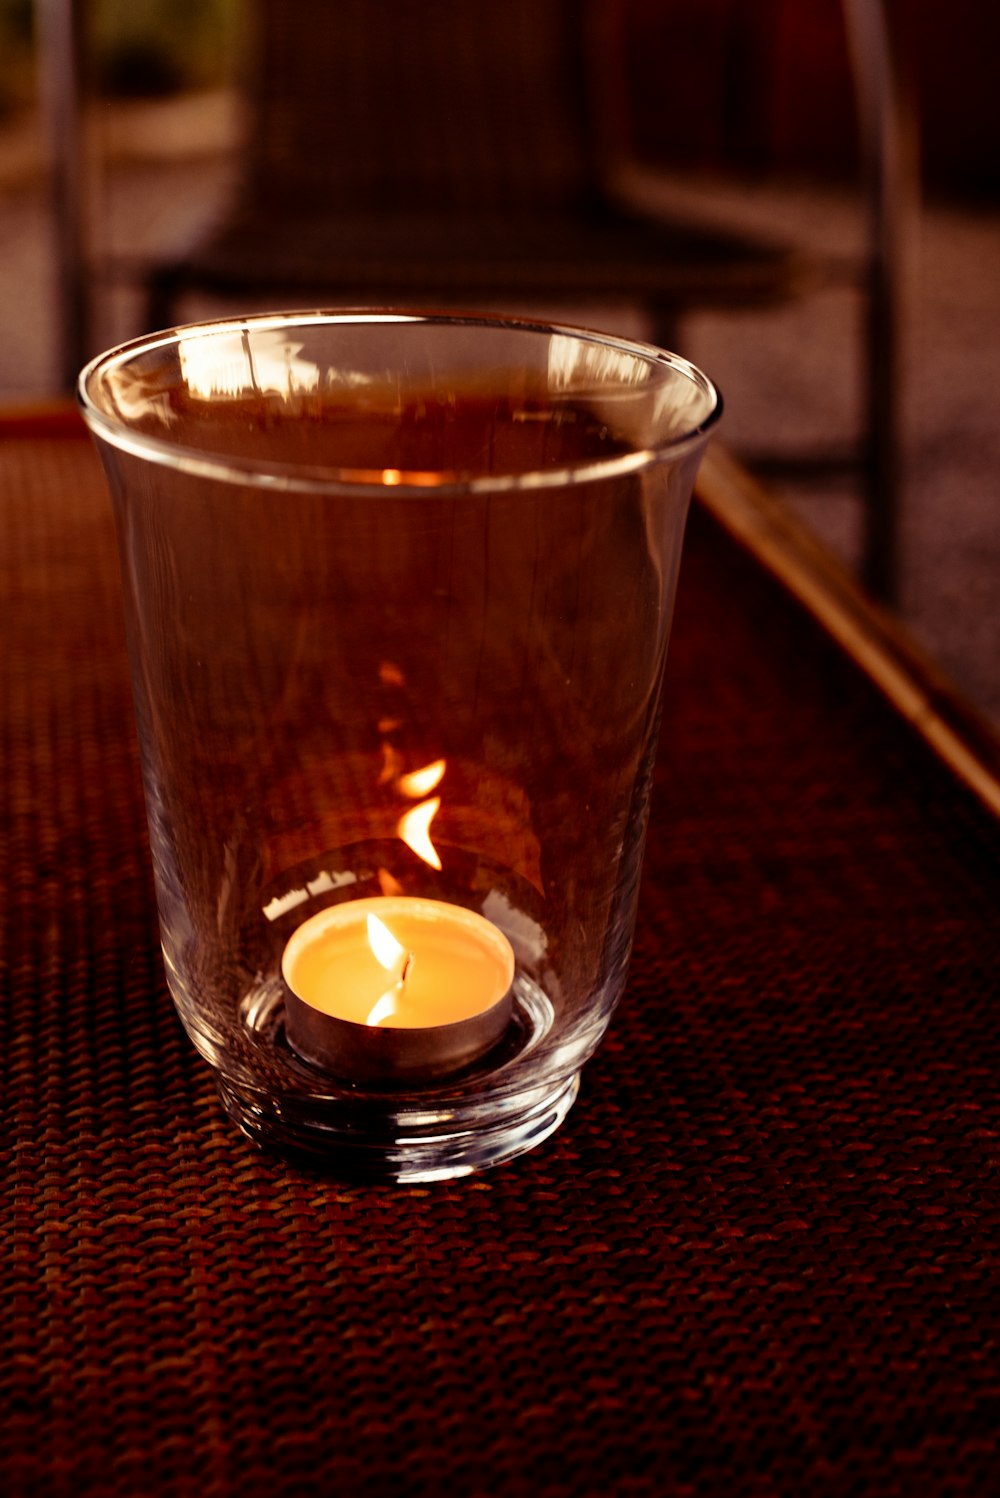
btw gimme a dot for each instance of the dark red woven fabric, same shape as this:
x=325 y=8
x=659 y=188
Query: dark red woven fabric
x=759 y=1258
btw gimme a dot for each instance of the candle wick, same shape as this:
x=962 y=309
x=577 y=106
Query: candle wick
x=407 y=965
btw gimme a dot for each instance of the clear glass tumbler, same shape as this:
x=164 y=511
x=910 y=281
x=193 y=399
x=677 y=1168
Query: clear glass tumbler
x=398 y=589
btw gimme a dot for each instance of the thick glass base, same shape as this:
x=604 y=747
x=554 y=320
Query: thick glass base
x=377 y=1142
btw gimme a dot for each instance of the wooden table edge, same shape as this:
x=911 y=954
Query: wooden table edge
x=875 y=640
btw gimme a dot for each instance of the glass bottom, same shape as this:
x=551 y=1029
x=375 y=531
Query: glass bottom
x=377 y=1142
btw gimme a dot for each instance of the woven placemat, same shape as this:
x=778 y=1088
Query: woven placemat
x=760 y=1257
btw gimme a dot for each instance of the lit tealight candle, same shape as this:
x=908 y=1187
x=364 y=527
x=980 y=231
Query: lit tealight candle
x=396 y=988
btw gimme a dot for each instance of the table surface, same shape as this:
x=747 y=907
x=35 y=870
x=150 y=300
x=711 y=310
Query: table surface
x=760 y=1256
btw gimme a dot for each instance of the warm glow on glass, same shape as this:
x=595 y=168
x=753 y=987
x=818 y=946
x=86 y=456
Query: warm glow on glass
x=420 y=782
x=414 y=829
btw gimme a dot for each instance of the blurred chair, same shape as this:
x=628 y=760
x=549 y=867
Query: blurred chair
x=430 y=152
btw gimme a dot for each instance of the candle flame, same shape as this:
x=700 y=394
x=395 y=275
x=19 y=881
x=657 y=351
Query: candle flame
x=420 y=782
x=385 y=1007
x=414 y=829
x=387 y=949
x=390 y=764
x=395 y=959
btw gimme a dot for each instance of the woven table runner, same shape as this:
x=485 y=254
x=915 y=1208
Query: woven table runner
x=760 y=1257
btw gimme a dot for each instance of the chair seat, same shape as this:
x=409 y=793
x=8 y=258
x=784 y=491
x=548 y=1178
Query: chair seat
x=470 y=154
x=586 y=252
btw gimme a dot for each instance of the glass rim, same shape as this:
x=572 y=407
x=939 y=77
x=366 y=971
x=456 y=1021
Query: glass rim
x=270 y=474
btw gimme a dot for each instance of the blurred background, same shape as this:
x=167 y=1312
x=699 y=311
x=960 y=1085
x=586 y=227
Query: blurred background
x=742 y=112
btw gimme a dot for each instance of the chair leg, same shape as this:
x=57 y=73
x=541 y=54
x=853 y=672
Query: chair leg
x=665 y=328
x=888 y=162
x=162 y=291
x=882 y=438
